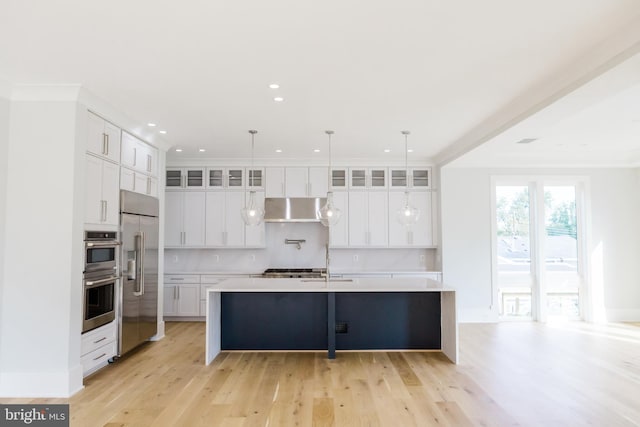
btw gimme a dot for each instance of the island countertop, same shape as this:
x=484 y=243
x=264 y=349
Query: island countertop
x=369 y=284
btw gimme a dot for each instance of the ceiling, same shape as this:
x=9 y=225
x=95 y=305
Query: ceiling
x=446 y=71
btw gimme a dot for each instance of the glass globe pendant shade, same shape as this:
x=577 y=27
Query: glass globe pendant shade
x=252 y=213
x=329 y=214
x=407 y=214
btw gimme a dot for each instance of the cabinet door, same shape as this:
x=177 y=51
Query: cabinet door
x=215 y=178
x=255 y=178
x=339 y=233
x=254 y=235
x=128 y=152
x=318 y=185
x=421 y=178
x=112 y=135
x=421 y=234
x=127 y=179
x=274 y=185
x=235 y=178
x=188 y=300
x=215 y=228
x=296 y=180
x=398 y=178
x=111 y=192
x=173 y=218
x=141 y=183
x=358 y=219
x=194 y=178
x=378 y=178
x=378 y=218
x=174 y=178
x=233 y=219
x=339 y=179
x=153 y=187
x=93 y=210
x=96 y=140
x=194 y=218
x=151 y=161
x=170 y=303
x=398 y=233
x=357 y=178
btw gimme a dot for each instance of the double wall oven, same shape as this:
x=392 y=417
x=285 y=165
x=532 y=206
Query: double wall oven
x=100 y=282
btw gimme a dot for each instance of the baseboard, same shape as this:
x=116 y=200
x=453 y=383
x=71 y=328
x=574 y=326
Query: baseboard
x=623 y=314
x=159 y=333
x=41 y=384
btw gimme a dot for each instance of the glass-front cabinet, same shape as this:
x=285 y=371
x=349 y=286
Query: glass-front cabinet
x=339 y=178
x=221 y=178
x=185 y=178
x=419 y=178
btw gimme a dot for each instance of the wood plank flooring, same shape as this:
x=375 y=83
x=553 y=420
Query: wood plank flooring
x=525 y=374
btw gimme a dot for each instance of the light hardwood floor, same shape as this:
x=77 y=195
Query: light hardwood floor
x=525 y=374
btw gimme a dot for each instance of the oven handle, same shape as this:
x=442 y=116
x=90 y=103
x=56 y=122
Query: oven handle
x=88 y=284
x=102 y=244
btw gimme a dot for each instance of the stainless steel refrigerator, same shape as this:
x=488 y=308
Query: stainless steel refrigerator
x=138 y=310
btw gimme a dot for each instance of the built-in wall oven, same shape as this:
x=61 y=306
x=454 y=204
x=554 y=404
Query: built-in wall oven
x=100 y=284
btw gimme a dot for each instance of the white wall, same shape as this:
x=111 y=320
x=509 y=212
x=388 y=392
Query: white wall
x=41 y=304
x=615 y=230
x=4 y=156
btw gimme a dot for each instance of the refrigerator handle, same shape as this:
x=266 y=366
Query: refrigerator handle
x=143 y=249
x=138 y=265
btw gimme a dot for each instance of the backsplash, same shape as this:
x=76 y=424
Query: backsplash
x=310 y=255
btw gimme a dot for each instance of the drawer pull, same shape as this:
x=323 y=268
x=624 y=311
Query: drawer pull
x=100 y=357
x=101 y=339
x=177 y=278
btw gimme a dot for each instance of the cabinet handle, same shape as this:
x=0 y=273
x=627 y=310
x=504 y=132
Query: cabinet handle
x=100 y=357
x=177 y=278
x=148 y=185
x=104 y=143
x=135 y=156
x=148 y=162
x=107 y=135
x=178 y=289
x=282 y=188
x=182 y=181
x=101 y=339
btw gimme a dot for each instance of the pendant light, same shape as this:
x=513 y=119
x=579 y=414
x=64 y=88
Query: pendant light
x=252 y=213
x=329 y=214
x=407 y=215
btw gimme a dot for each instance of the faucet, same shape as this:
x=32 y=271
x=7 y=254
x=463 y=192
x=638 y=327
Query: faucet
x=327 y=260
x=297 y=242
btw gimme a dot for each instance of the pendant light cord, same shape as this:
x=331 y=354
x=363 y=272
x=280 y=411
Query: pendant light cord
x=406 y=156
x=252 y=177
x=329 y=132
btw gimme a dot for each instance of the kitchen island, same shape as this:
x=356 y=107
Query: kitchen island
x=313 y=314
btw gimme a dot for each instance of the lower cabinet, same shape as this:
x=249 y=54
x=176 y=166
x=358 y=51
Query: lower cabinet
x=181 y=295
x=97 y=347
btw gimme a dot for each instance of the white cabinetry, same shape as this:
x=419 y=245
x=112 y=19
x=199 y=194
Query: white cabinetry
x=138 y=182
x=102 y=191
x=103 y=138
x=339 y=178
x=184 y=218
x=296 y=182
x=368 y=218
x=225 y=178
x=339 y=233
x=180 y=178
x=417 y=235
x=181 y=295
x=419 y=178
x=138 y=155
x=224 y=224
x=97 y=347
x=368 y=178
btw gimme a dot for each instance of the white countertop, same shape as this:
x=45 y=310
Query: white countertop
x=260 y=284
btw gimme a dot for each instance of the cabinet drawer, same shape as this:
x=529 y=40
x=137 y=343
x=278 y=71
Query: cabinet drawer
x=181 y=278
x=98 y=338
x=99 y=356
x=211 y=280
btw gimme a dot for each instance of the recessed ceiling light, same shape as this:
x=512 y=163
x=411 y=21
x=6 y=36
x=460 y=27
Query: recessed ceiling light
x=410 y=150
x=278 y=151
x=274 y=85
x=202 y=150
x=526 y=141
x=162 y=132
x=386 y=150
x=179 y=150
x=316 y=150
x=278 y=99
x=152 y=125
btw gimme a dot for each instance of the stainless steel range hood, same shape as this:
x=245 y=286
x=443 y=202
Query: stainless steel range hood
x=292 y=209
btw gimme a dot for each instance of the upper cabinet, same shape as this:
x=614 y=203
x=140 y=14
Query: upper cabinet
x=255 y=178
x=419 y=178
x=138 y=155
x=225 y=178
x=368 y=178
x=181 y=178
x=296 y=182
x=417 y=235
x=102 y=193
x=339 y=178
x=103 y=138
